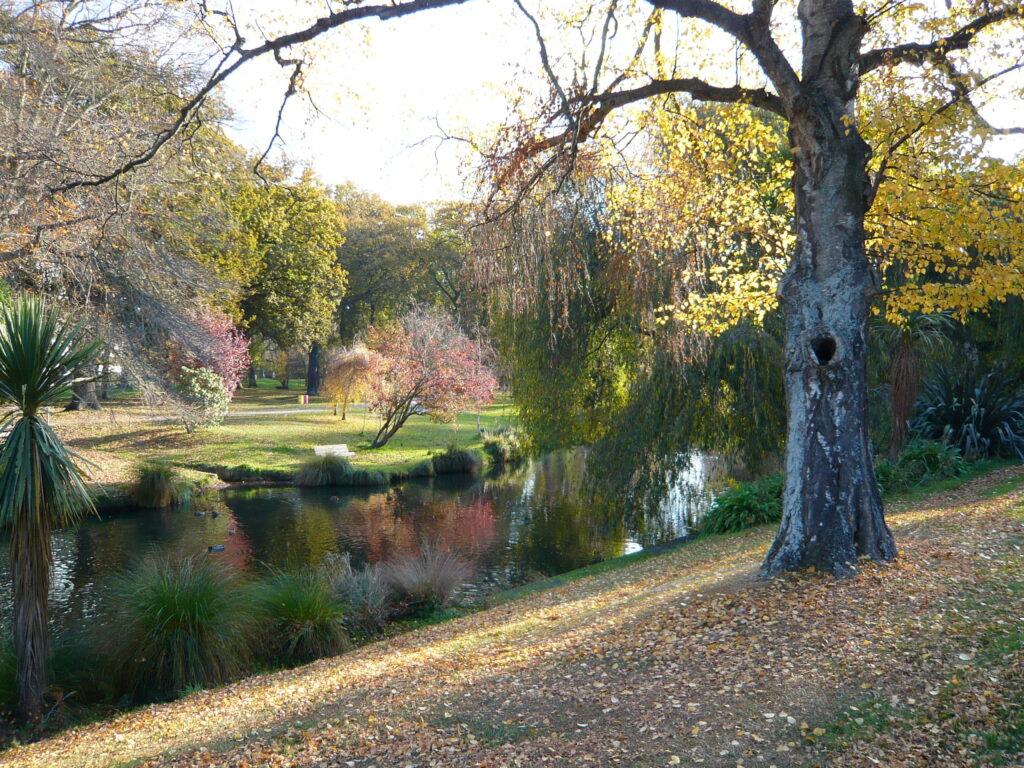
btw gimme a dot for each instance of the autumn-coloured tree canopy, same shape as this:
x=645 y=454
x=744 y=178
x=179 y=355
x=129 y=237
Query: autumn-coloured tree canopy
x=424 y=363
x=836 y=163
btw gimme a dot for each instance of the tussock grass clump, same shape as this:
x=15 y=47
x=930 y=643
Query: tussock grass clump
x=74 y=661
x=457 y=460
x=159 y=485
x=361 y=477
x=426 y=582
x=424 y=469
x=176 y=625
x=505 y=447
x=748 y=504
x=303 y=616
x=323 y=471
x=365 y=594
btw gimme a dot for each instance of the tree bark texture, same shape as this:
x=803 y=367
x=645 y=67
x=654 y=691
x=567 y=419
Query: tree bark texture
x=313 y=370
x=31 y=560
x=832 y=509
x=83 y=397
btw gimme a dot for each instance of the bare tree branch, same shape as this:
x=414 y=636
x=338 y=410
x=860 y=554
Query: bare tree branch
x=752 y=30
x=244 y=55
x=607 y=102
x=919 y=53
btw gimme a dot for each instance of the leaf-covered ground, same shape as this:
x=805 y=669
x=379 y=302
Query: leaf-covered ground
x=683 y=659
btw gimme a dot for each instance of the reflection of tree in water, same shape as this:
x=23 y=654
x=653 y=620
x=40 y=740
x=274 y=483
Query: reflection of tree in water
x=531 y=520
x=402 y=525
x=560 y=535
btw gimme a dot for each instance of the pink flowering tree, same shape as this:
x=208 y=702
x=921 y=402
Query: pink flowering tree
x=224 y=348
x=424 y=363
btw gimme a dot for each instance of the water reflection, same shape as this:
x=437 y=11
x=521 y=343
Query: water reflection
x=514 y=527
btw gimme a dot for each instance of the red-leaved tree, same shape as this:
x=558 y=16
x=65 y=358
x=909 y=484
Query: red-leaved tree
x=224 y=349
x=424 y=363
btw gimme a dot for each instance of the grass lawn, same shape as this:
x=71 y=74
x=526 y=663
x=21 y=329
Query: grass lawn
x=127 y=432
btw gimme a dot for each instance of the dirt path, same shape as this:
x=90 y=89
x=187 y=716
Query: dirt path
x=684 y=659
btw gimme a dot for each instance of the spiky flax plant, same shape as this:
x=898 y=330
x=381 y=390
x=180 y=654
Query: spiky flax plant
x=41 y=485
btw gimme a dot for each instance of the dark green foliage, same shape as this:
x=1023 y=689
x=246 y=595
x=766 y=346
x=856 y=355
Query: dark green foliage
x=159 y=486
x=922 y=461
x=457 y=460
x=8 y=674
x=568 y=381
x=336 y=471
x=303 y=616
x=981 y=413
x=505 y=447
x=728 y=401
x=426 y=582
x=748 y=504
x=175 y=625
x=76 y=658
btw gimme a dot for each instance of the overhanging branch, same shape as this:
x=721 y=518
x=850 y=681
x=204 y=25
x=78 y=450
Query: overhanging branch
x=919 y=53
x=274 y=46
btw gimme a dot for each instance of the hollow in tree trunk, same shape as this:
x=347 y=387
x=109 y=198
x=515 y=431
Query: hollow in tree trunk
x=832 y=508
x=313 y=370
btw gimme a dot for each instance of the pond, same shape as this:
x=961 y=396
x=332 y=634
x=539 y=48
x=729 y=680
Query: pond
x=514 y=527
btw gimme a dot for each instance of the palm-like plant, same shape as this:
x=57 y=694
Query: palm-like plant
x=907 y=344
x=40 y=484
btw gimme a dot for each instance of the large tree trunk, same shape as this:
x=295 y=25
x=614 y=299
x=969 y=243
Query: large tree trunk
x=106 y=378
x=904 y=381
x=832 y=509
x=83 y=397
x=31 y=557
x=253 y=383
x=313 y=370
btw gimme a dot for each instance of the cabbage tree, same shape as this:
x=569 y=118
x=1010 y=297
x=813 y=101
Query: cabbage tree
x=40 y=483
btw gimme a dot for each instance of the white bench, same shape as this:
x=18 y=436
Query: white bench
x=332 y=450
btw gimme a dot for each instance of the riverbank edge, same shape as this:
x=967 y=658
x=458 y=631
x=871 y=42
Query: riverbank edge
x=115 y=498
x=897 y=503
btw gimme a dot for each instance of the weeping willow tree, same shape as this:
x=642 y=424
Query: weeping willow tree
x=40 y=484
x=596 y=355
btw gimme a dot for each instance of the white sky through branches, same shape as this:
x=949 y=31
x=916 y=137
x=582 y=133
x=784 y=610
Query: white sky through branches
x=384 y=104
x=383 y=100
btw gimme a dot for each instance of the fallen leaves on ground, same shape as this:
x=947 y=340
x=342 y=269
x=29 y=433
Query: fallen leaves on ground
x=684 y=659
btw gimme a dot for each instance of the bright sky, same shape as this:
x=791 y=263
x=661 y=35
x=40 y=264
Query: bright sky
x=384 y=100
x=382 y=103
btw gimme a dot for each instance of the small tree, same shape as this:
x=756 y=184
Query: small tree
x=228 y=351
x=346 y=377
x=206 y=396
x=40 y=485
x=423 y=362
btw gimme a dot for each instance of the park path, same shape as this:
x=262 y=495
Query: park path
x=282 y=411
x=681 y=659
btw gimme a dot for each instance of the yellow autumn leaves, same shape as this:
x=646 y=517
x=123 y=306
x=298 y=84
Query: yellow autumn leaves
x=708 y=205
